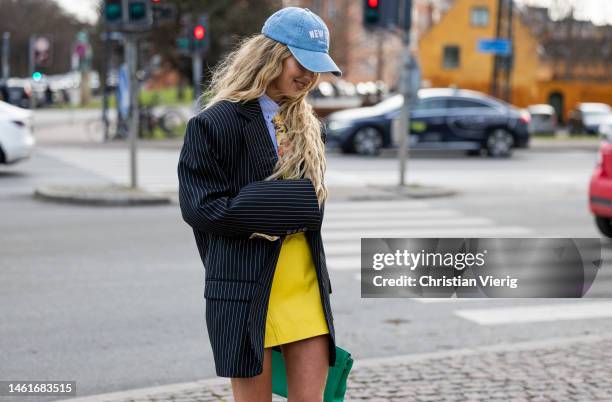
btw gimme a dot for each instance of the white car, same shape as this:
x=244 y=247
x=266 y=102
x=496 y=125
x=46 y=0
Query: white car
x=16 y=139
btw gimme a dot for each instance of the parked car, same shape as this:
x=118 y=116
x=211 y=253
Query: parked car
x=19 y=93
x=443 y=118
x=605 y=128
x=587 y=117
x=600 y=188
x=16 y=139
x=543 y=119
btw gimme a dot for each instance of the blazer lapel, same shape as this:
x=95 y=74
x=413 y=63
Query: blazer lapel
x=262 y=153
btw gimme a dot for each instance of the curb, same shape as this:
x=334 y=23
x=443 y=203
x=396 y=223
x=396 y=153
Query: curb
x=388 y=193
x=118 y=195
x=361 y=363
x=110 y=195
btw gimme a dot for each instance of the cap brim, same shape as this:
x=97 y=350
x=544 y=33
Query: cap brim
x=317 y=62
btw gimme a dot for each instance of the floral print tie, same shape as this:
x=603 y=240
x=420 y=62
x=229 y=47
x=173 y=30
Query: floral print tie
x=281 y=133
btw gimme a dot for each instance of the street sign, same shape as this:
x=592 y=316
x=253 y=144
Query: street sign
x=124 y=92
x=495 y=46
x=41 y=48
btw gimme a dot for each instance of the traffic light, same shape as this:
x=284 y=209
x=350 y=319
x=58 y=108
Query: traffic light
x=199 y=32
x=162 y=12
x=138 y=11
x=201 y=38
x=113 y=12
x=183 y=42
x=372 y=13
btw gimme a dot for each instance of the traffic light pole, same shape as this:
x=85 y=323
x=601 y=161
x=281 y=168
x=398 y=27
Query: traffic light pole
x=409 y=84
x=404 y=120
x=131 y=57
x=6 y=40
x=197 y=74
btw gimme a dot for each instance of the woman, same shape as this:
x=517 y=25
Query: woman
x=251 y=187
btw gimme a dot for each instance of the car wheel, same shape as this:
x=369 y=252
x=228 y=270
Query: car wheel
x=367 y=141
x=499 y=143
x=604 y=225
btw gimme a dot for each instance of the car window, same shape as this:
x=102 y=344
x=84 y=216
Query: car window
x=390 y=104
x=595 y=113
x=431 y=104
x=466 y=103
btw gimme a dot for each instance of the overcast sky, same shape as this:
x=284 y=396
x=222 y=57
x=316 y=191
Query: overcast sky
x=599 y=11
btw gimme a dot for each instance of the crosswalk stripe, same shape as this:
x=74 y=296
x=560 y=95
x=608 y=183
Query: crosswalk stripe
x=375 y=205
x=392 y=215
x=427 y=300
x=400 y=223
x=421 y=232
x=542 y=313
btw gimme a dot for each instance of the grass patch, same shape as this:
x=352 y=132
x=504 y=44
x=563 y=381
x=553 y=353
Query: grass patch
x=160 y=97
x=580 y=137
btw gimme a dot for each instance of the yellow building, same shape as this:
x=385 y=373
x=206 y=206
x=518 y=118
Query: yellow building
x=557 y=62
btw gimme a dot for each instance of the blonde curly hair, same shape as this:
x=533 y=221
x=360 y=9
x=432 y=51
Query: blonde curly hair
x=244 y=75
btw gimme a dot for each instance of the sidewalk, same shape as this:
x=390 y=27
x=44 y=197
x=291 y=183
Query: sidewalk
x=566 y=369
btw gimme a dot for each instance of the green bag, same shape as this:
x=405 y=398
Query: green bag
x=335 y=388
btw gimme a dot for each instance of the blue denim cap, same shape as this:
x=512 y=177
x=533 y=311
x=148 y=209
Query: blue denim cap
x=306 y=36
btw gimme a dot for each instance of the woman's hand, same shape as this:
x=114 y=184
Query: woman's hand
x=264 y=236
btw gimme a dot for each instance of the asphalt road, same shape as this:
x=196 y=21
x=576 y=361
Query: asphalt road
x=113 y=297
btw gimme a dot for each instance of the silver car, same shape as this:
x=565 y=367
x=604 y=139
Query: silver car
x=543 y=119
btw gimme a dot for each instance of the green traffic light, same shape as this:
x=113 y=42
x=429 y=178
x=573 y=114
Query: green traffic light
x=113 y=12
x=37 y=76
x=137 y=10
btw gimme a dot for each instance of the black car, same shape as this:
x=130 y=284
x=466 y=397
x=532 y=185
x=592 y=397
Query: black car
x=443 y=118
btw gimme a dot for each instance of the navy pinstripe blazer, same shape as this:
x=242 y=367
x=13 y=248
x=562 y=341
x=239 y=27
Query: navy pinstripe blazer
x=225 y=157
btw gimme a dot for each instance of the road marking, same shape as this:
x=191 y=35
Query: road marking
x=400 y=223
x=422 y=232
x=335 y=216
x=543 y=313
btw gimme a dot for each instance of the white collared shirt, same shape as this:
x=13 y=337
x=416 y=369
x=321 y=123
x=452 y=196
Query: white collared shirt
x=269 y=108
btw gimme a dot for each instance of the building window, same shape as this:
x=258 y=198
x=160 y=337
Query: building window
x=479 y=16
x=451 y=56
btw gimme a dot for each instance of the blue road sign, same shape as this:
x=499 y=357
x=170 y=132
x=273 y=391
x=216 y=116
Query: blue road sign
x=124 y=91
x=495 y=46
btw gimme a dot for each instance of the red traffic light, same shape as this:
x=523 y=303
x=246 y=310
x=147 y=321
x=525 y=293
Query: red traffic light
x=373 y=3
x=156 y=1
x=198 y=32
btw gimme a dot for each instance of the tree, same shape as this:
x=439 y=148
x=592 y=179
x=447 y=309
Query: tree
x=23 y=18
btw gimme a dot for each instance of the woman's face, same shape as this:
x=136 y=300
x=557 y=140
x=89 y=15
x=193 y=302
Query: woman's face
x=293 y=81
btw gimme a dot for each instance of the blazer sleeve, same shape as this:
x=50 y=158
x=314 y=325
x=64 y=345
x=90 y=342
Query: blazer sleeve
x=275 y=207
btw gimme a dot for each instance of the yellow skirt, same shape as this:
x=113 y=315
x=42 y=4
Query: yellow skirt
x=295 y=311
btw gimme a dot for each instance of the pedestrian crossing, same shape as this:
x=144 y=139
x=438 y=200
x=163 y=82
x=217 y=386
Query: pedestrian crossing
x=345 y=223
x=572 y=310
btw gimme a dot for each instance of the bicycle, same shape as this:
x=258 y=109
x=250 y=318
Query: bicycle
x=169 y=121
x=117 y=130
